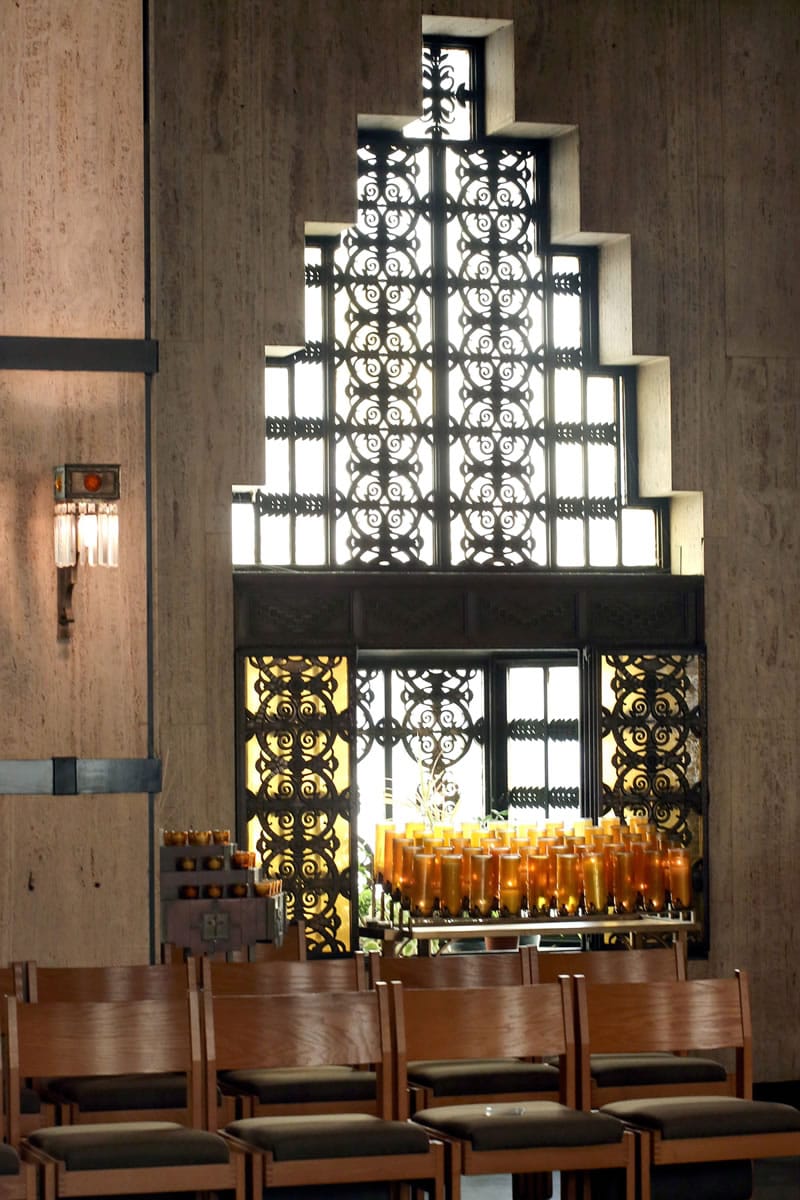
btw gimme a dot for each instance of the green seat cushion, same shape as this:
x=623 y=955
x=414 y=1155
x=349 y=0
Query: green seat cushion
x=333 y=1135
x=9 y=1161
x=706 y=1116
x=616 y=1070
x=118 y=1093
x=296 y=1085
x=521 y=1126
x=483 y=1076
x=129 y=1144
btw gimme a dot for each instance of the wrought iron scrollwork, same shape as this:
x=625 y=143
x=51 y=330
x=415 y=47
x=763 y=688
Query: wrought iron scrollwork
x=652 y=728
x=297 y=737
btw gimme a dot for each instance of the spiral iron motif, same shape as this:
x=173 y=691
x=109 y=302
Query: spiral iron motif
x=654 y=727
x=383 y=419
x=297 y=735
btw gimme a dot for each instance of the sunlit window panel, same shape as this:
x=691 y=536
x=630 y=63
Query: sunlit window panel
x=600 y=399
x=421 y=733
x=243 y=521
x=542 y=749
x=639 y=544
x=567 y=396
x=570 y=543
x=449 y=376
x=567 y=307
x=603 y=547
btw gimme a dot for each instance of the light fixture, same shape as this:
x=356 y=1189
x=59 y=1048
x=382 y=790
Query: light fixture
x=86 y=527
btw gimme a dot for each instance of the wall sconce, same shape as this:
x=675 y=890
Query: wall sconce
x=86 y=527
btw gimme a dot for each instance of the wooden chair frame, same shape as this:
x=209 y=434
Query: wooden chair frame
x=526 y=1022
x=610 y=1021
x=284 y=976
x=487 y=969
x=708 y=1015
x=115 y=1038
x=281 y=977
x=103 y=984
x=314 y=1029
x=609 y=966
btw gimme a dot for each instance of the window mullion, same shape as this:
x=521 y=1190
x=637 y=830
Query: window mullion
x=440 y=365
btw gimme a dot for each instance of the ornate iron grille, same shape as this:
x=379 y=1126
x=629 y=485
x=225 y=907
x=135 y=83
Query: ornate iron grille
x=421 y=735
x=653 y=727
x=448 y=410
x=296 y=747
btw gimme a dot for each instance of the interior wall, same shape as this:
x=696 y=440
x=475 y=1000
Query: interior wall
x=685 y=115
x=74 y=869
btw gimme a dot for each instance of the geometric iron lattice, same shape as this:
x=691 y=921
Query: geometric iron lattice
x=652 y=728
x=448 y=409
x=297 y=774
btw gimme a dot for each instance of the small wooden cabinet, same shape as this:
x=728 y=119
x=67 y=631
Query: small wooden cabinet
x=209 y=905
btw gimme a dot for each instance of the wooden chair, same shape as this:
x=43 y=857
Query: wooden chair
x=523 y=1135
x=105 y=1097
x=622 y=1064
x=119 y=1038
x=489 y=969
x=442 y=1081
x=14 y=982
x=608 y=966
x=263 y=978
x=255 y=1091
x=291 y=949
x=680 y=1135
x=309 y=1031
x=616 y=1073
x=17 y=1178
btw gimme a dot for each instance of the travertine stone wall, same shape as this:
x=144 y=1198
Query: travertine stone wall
x=73 y=869
x=683 y=116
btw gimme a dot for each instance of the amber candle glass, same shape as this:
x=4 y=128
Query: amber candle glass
x=388 y=856
x=410 y=852
x=680 y=888
x=638 y=850
x=497 y=852
x=451 y=891
x=380 y=850
x=594 y=881
x=568 y=887
x=398 y=846
x=481 y=895
x=467 y=855
x=422 y=884
x=539 y=894
x=655 y=883
x=624 y=890
x=509 y=888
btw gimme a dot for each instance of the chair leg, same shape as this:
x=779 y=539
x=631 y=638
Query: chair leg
x=532 y=1187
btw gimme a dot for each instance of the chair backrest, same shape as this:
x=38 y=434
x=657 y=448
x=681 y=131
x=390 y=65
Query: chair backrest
x=271 y=978
x=609 y=966
x=140 y=981
x=307 y=1029
x=489 y=969
x=485 y=1022
x=13 y=980
x=291 y=949
x=121 y=1037
x=666 y=1016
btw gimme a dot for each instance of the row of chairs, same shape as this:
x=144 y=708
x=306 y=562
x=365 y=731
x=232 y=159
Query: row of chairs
x=544 y=1128
x=528 y=965
x=79 y=1100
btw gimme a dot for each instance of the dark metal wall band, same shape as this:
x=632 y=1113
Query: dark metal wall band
x=79 y=776
x=127 y=355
